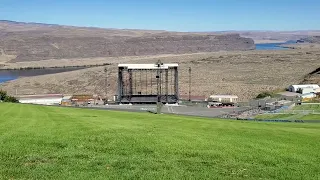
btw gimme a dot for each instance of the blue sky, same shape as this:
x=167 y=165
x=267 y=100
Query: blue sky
x=175 y=15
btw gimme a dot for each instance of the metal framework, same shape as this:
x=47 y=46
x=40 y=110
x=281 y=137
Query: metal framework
x=148 y=83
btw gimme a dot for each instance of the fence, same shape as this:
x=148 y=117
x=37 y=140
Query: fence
x=310 y=103
x=275 y=120
x=301 y=112
x=193 y=103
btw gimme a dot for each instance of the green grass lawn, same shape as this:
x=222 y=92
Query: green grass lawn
x=38 y=142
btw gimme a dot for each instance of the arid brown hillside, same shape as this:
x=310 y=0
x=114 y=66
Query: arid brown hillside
x=32 y=42
x=313 y=77
x=277 y=36
x=243 y=73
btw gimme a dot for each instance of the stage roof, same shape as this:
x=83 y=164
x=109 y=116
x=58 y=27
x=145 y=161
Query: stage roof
x=147 y=66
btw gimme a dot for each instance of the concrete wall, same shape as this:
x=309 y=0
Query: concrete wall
x=43 y=101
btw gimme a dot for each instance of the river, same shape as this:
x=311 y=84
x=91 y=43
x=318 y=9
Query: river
x=270 y=46
x=8 y=75
x=273 y=46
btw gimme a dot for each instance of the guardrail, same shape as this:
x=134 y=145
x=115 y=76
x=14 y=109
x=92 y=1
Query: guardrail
x=272 y=120
x=301 y=112
x=310 y=103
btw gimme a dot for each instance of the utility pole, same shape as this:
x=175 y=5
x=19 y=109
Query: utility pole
x=189 y=83
x=106 y=84
x=159 y=103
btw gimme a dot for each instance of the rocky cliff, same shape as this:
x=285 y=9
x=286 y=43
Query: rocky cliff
x=32 y=42
x=310 y=39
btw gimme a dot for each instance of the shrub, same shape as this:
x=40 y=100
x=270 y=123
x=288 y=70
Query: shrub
x=5 y=98
x=10 y=99
x=3 y=95
x=264 y=94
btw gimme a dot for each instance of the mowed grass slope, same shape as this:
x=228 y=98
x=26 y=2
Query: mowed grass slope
x=38 y=142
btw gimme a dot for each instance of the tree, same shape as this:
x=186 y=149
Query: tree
x=3 y=95
x=5 y=98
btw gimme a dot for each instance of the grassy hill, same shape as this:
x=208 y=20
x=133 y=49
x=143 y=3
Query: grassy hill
x=38 y=142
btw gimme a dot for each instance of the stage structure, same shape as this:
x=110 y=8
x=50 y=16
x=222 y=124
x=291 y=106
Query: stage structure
x=148 y=83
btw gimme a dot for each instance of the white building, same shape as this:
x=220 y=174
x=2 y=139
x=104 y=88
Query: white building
x=317 y=90
x=224 y=98
x=295 y=88
x=308 y=90
x=43 y=99
x=308 y=96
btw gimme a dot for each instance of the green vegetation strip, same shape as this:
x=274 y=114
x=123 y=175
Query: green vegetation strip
x=38 y=142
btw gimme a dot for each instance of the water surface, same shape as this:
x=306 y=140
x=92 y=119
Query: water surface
x=8 y=75
x=270 y=46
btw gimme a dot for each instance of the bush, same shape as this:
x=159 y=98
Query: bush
x=264 y=94
x=10 y=99
x=3 y=95
x=5 y=98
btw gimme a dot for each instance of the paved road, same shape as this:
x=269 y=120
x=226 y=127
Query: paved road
x=187 y=111
x=172 y=109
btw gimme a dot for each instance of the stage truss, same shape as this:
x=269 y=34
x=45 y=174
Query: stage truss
x=148 y=83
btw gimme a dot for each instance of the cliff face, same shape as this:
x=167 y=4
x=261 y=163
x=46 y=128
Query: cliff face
x=32 y=42
x=310 y=39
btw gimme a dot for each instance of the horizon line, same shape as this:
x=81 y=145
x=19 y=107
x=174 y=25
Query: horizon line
x=97 y=27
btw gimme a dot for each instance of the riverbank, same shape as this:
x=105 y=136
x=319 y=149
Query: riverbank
x=304 y=46
x=101 y=61
x=264 y=41
x=53 y=67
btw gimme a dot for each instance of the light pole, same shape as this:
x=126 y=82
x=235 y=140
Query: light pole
x=189 y=83
x=106 y=84
x=159 y=105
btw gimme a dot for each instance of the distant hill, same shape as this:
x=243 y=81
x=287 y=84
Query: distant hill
x=310 y=39
x=36 y=41
x=275 y=36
